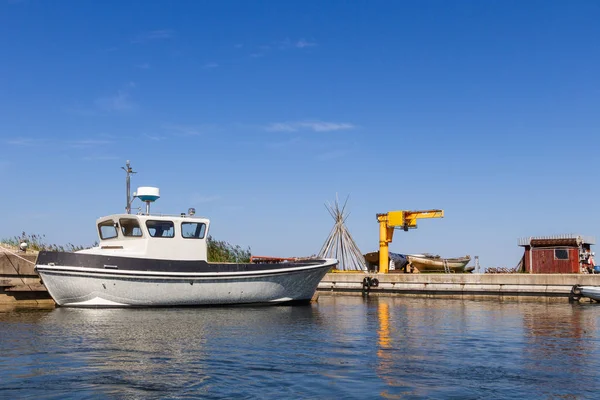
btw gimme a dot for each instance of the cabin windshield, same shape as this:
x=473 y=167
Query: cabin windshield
x=130 y=227
x=107 y=230
x=162 y=229
x=193 y=230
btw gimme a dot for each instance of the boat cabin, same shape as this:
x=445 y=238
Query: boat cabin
x=152 y=236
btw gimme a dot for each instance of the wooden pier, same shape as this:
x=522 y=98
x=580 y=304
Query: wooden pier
x=19 y=284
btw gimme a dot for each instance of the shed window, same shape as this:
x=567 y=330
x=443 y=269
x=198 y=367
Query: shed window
x=162 y=229
x=130 y=227
x=193 y=230
x=561 y=254
x=107 y=230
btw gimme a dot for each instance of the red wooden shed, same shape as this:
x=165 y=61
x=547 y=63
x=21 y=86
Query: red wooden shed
x=563 y=254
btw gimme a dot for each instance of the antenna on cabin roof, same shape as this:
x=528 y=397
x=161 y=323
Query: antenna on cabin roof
x=127 y=168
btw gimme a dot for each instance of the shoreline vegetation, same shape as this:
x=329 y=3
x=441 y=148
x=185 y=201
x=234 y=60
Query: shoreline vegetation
x=37 y=243
x=222 y=251
x=218 y=250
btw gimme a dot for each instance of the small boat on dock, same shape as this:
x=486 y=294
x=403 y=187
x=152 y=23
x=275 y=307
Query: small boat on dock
x=159 y=260
x=433 y=263
x=591 y=292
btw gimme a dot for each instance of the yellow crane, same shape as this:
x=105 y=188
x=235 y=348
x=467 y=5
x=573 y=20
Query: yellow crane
x=404 y=220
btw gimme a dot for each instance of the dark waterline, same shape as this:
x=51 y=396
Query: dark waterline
x=343 y=347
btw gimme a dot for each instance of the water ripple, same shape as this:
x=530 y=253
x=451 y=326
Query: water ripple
x=345 y=347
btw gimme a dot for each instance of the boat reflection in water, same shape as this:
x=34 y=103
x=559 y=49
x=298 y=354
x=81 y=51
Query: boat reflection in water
x=137 y=352
x=343 y=346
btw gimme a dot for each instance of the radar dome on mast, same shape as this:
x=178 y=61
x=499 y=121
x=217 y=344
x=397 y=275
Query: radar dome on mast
x=148 y=195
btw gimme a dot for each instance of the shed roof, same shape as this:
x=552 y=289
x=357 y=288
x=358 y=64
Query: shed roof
x=556 y=240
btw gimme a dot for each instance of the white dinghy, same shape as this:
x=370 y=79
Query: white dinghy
x=591 y=292
x=157 y=260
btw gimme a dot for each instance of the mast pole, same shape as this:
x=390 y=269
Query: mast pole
x=128 y=170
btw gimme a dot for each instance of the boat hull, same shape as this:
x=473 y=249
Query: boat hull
x=76 y=286
x=592 y=292
x=424 y=264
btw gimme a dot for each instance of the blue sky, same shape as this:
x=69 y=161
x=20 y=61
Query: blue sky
x=257 y=113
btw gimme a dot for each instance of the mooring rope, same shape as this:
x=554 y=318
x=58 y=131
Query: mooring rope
x=16 y=255
x=15 y=268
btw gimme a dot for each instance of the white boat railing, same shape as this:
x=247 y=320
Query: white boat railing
x=182 y=215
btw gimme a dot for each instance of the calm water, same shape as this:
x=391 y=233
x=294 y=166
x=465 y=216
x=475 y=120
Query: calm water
x=342 y=347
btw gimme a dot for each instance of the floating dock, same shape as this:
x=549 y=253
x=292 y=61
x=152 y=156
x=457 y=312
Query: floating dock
x=504 y=287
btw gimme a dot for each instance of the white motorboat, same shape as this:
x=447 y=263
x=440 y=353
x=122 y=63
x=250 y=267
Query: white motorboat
x=157 y=260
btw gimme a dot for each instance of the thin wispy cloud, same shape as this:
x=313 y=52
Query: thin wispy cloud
x=327 y=126
x=284 y=144
x=184 y=130
x=24 y=141
x=81 y=110
x=211 y=65
x=87 y=143
x=315 y=126
x=120 y=102
x=160 y=34
x=154 y=138
x=282 y=45
x=282 y=127
x=298 y=44
x=332 y=155
x=238 y=45
x=143 y=66
x=302 y=43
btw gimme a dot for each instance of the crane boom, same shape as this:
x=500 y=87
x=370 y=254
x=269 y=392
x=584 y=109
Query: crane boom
x=398 y=219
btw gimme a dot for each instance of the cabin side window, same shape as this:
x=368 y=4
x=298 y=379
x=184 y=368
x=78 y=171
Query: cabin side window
x=107 y=230
x=561 y=254
x=161 y=229
x=130 y=227
x=193 y=230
